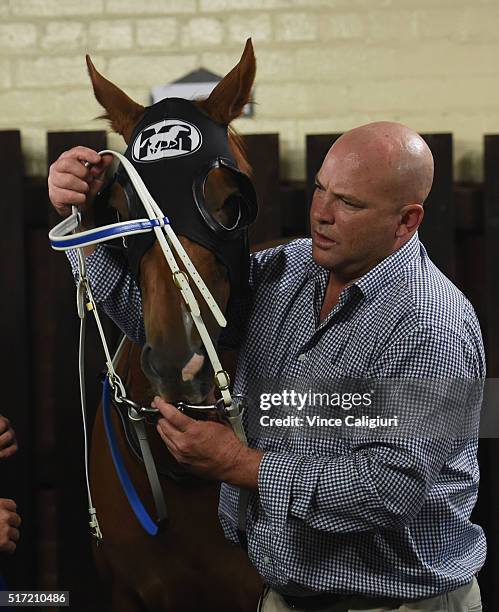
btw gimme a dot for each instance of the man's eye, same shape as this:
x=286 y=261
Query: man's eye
x=349 y=204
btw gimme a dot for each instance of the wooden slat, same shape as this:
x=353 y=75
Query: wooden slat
x=488 y=507
x=294 y=209
x=263 y=155
x=491 y=221
x=18 y=473
x=437 y=232
x=317 y=146
x=468 y=199
x=471 y=275
x=75 y=570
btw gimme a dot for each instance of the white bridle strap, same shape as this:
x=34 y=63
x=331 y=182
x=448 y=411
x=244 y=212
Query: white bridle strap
x=60 y=241
x=154 y=212
x=167 y=239
x=180 y=278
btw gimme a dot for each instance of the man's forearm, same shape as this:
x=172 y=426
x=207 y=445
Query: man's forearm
x=244 y=471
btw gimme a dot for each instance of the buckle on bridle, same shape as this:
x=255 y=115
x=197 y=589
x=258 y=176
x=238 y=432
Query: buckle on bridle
x=222 y=380
x=177 y=275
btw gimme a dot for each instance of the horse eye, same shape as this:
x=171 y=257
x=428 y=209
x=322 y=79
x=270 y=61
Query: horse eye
x=230 y=213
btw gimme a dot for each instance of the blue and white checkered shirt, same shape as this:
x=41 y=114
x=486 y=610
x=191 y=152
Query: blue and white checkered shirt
x=369 y=514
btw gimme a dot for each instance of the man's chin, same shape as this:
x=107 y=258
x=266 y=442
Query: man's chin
x=324 y=258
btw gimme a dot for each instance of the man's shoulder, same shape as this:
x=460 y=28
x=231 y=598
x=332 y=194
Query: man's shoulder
x=287 y=259
x=435 y=297
x=423 y=318
x=426 y=299
x=300 y=248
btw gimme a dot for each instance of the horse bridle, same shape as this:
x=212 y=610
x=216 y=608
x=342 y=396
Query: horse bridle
x=66 y=236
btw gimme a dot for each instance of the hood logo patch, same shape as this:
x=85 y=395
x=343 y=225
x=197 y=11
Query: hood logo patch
x=166 y=138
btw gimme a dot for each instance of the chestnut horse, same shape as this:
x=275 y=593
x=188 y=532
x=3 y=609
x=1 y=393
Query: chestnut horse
x=189 y=565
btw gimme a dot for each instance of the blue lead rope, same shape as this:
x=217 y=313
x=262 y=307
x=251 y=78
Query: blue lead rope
x=133 y=499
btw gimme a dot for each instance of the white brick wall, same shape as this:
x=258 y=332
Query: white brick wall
x=323 y=65
x=30 y=9
x=17 y=36
x=5 y=80
x=4 y=8
x=296 y=27
x=202 y=32
x=67 y=35
x=110 y=35
x=158 y=33
x=257 y=26
x=50 y=72
x=148 y=7
x=139 y=69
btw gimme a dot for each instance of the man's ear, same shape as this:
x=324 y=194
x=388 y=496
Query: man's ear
x=411 y=217
x=121 y=111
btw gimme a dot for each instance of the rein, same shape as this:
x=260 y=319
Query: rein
x=65 y=236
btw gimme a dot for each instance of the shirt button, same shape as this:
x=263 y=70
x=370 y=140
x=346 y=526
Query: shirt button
x=302 y=357
x=266 y=560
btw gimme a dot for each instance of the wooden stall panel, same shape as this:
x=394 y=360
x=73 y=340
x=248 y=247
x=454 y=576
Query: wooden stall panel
x=438 y=231
x=491 y=214
x=263 y=155
x=488 y=500
x=75 y=570
x=18 y=404
x=316 y=148
x=471 y=274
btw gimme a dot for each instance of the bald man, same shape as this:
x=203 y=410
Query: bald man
x=353 y=348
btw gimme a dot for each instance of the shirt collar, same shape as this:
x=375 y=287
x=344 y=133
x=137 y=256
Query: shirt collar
x=389 y=268
x=383 y=273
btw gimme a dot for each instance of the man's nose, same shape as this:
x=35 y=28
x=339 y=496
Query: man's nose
x=322 y=211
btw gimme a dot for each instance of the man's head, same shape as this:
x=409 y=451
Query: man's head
x=369 y=197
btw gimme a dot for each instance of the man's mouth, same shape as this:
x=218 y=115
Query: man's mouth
x=322 y=241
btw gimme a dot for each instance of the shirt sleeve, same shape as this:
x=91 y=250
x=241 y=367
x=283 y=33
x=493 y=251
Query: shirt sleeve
x=431 y=380
x=239 y=306
x=114 y=289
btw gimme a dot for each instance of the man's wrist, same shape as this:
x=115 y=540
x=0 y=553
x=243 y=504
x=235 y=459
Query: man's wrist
x=244 y=470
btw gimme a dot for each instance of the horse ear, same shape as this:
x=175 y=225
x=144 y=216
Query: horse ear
x=121 y=111
x=227 y=100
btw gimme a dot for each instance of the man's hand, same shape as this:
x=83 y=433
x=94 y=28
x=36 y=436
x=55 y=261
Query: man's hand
x=209 y=448
x=9 y=525
x=8 y=442
x=71 y=182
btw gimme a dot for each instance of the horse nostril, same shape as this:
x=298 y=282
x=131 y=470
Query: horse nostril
x=147 y=362
x=146 y=353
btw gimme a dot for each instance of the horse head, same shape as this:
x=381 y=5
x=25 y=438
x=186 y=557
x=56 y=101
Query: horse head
x=194 y=166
